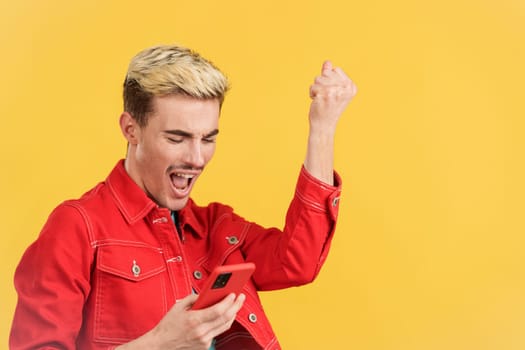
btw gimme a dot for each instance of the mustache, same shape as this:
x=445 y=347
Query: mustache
x=172 y=168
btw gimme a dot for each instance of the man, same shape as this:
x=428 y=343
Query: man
x=121 y=266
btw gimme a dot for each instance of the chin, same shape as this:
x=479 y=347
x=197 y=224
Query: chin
x=177 y=204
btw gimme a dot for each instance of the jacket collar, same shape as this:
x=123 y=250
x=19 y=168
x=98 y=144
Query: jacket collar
x=135 y=205
x=189 y=216
x=131 y=200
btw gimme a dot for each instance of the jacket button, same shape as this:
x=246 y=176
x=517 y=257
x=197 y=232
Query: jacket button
x=135 y=269
x=252 y=317
x=335 y=201
x=177 y=258
x=197 y=274
x=232 y=240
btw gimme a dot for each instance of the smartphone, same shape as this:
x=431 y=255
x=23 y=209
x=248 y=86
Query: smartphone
x=222 y=281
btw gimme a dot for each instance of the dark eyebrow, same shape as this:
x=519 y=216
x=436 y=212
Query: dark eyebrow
x=183 y=133
x=211 y=134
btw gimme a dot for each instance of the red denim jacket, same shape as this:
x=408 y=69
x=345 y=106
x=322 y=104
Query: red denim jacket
x=107 y=267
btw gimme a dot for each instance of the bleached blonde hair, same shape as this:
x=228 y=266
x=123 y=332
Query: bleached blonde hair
x=169 y=69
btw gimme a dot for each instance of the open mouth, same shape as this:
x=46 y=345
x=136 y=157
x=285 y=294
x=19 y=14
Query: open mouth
x=181 y=182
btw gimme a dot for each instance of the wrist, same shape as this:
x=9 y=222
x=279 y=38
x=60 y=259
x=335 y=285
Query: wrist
x=322 y=138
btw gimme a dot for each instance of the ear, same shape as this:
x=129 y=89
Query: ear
x=129 y=127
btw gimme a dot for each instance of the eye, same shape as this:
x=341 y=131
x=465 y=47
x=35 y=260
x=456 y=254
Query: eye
x=209 y=140
x=172 y=140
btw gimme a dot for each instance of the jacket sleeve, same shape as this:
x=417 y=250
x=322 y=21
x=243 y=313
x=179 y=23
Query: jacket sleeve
x=294 y=256
x=53 y=281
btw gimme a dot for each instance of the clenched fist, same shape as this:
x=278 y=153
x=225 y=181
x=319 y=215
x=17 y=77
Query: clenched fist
x=330 y=93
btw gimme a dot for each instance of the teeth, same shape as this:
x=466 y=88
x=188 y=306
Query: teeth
x=186 y=176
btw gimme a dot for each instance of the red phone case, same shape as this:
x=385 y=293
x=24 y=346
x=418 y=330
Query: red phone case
x=222 y=281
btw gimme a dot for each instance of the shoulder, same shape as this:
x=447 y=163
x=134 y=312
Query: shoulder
x=72 y=216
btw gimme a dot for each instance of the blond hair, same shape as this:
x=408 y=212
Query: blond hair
x=166 y=70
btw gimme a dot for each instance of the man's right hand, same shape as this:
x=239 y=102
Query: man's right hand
x=183 y=328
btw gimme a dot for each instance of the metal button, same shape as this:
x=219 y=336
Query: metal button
x=177 y=258
x=232 y=240
x=197 y=274
x=135 y=269
x=335 y=201
x=252 y=317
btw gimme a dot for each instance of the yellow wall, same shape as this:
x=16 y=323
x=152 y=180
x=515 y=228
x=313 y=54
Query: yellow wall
x=429 y=248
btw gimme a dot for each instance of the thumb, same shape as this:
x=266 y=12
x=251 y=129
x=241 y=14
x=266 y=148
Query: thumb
x=327 y=66
x=187 y=301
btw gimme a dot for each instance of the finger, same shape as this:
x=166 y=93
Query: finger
x=353 y=87
x=214 y=312
x=186 y=302
x=335 y=76
x=225 y=310
x=324 y=80
x=340 y=72
x=314 y=91
x=239 y=301
x=327 y=66
x=329 y=88
x=233 y=308
x=227 y=319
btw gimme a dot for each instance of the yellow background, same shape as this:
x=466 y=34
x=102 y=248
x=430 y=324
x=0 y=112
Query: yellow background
x=429 y=247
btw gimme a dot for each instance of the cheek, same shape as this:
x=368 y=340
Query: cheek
x=152 y=155
x=209 y=152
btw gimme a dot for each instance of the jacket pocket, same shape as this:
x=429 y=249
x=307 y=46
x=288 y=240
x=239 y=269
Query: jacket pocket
x=129 y=291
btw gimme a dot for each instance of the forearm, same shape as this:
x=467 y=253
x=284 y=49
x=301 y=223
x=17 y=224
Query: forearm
x=147 y=341
x=319 y=161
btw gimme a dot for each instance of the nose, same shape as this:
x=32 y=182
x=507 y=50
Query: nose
x=194 y=155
